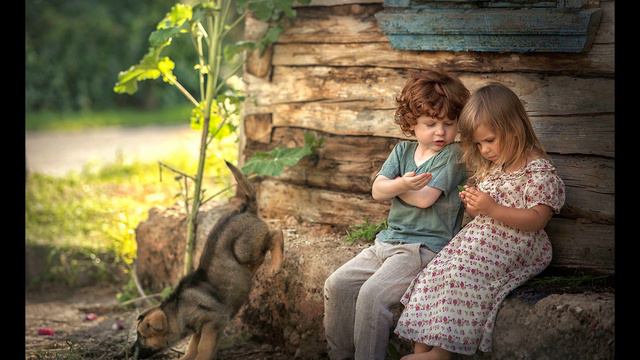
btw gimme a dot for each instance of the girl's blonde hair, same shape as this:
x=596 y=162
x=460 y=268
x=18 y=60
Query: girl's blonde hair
x=497 y=107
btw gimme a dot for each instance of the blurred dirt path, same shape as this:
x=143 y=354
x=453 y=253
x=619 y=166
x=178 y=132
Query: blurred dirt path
x=57 y=153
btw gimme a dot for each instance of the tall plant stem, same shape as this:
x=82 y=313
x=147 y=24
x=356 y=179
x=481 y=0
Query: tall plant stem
x=192 y=218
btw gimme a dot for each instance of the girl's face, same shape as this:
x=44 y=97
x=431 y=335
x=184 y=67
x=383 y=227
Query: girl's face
x=434 y=133
x=487 y=142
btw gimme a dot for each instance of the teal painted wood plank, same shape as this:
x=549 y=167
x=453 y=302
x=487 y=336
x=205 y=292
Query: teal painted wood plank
x=488 y=21
x=397 y=3
x=521 y=43
x=483 y=4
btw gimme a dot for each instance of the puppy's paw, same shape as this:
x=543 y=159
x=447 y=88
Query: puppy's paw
x=277 y=252
x=272 y=269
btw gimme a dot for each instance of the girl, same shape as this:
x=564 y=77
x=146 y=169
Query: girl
x=452 y=304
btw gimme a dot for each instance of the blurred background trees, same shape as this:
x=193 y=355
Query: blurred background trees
x=74 y=50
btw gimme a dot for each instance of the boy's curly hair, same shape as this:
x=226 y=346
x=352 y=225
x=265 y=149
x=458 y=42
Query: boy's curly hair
x=431 y=93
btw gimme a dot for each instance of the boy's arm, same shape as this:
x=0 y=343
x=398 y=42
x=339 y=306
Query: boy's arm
x=422 y=198
x=385 y=189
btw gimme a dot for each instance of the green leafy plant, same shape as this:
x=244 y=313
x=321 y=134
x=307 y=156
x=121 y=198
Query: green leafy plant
x=216 y=112
x=366 y=231
x=272 y=163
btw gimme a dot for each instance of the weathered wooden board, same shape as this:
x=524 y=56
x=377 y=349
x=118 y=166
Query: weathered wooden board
x=279 y=199
x=598 y=61
x=335 y=25
x=575 y=244
x=606 y=30
x=590 y=187
x=582 y=134
x=353 y=161
x=541 y=95
x=340 y=40
x=580 y=245
x=257 y=127
x=589 y=135
x=257 y=64
x=322 y=27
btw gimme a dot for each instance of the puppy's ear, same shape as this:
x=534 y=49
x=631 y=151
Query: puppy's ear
x=145 y=312
x=154 y=323
x=245 y=190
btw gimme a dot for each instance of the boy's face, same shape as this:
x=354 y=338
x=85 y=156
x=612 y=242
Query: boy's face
x=434 y=133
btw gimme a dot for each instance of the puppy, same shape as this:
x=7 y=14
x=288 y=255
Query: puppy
x=209 y=297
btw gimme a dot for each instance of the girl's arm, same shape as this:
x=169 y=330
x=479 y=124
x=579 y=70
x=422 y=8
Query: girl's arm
x=385 y=189
x=531 y=219
x=422 y=198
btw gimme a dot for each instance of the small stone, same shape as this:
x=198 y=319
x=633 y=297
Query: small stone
x=46 y=331
x=90 y=317
x=118 y=325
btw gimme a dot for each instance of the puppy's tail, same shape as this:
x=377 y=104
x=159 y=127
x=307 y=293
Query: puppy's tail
x=245 y=191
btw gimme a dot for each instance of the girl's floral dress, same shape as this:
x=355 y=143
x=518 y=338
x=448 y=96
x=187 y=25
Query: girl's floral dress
x=453 y=302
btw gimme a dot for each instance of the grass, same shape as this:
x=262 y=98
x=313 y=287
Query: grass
x=73 y=121
x=87 y=219
x=366 y=231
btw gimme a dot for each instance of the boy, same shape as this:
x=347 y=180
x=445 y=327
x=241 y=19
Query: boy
x=420 y=178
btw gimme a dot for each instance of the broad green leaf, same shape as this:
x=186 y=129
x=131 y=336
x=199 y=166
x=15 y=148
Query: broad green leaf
x=232 y=50
x=270 y=37
x=175 y=22
x=178 y=14
x=241 y=6
x=312 y=142
x=272 y=163
x=160 y=36
x=263 y=10
x=150 y=67
x=285 y=6
x=166 y=65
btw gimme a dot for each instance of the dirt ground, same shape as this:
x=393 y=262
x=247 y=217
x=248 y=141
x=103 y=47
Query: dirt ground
x=75 y=337
x=65 y=312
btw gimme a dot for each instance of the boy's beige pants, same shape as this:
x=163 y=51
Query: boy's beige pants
x=358 y=295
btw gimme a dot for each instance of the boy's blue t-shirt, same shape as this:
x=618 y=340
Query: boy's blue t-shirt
x=436 y=225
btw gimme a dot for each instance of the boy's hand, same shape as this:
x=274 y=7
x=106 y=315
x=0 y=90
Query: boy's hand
x=415 y=182
x=477 y=201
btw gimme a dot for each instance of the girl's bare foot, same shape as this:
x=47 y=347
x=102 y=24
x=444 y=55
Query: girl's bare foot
x=436 y=353
x=421 y=348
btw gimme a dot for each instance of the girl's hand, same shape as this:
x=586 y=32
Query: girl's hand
x=477 y=201
x=412 y=181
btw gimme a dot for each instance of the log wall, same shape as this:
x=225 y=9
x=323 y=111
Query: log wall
x=333 y=73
